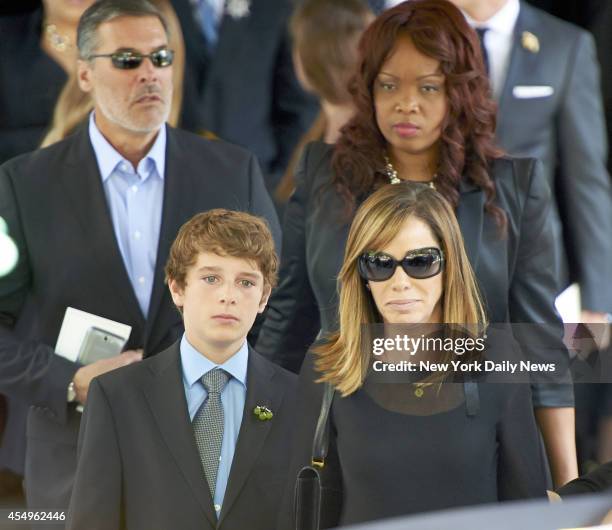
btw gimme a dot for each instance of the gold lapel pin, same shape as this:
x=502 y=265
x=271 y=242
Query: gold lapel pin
x=530 y=42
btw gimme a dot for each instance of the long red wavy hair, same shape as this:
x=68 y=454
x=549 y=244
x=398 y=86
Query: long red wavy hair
x=439 y=30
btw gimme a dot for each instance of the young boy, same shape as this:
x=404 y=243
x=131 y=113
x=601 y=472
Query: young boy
x=195 y=437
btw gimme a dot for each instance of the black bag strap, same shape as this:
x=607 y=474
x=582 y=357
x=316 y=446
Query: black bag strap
x=320 y=443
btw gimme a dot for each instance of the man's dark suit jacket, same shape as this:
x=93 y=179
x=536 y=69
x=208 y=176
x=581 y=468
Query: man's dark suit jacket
x=516 y=274
x=139 y=466
x=56 y=210
x=566 y=131
x=248 y=91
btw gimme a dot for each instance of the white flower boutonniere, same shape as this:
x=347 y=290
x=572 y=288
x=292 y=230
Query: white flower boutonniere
x=530 y=42
x=238 y=8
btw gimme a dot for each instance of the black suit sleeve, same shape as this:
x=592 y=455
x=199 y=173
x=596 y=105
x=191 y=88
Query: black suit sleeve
x=261 y=203
x=520 y=471
x=96 y=495
x=600 y=479
x=29 y=370
x=533 y=289
x=583 y=183
x=292 y=319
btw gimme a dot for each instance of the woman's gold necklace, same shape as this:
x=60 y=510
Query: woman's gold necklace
x=58 y=42
x=391 y=173
x=419 y=388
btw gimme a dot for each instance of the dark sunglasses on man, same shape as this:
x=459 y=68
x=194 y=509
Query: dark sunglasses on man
x=420 y=263
x=129 y=60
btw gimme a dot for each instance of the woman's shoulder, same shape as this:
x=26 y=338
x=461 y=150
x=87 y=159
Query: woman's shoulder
x=315 y=168
x=316 y=161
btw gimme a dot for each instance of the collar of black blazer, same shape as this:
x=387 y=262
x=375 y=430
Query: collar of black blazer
x=470 y=216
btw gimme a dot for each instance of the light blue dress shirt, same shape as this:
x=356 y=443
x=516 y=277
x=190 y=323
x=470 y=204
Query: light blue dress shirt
x=135 y=200
x=233 y=398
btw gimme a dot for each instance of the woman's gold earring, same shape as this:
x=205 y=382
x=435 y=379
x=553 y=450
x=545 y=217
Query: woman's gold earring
x=367 y=286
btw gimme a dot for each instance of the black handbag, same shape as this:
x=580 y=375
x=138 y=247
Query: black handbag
x=318 y=492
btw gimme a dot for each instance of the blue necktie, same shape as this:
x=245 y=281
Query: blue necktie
x=208 y=22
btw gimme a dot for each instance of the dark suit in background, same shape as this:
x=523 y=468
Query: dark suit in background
x=248 y=92
x=566 y=131
x=56 y=210
x=139 y=467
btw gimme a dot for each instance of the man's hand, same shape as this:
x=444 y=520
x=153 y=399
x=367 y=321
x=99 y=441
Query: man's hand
x=83 y=376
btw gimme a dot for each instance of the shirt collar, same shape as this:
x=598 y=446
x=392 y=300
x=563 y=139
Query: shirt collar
x=502 y=22
x=195 y=364
x=108 y=157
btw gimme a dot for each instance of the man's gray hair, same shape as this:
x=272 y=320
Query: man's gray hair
x=105 y=10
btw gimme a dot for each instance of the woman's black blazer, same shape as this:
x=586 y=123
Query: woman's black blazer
x=517 y=274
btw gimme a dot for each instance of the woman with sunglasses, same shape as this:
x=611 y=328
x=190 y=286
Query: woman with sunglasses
x=421 y=443
x=424 y=113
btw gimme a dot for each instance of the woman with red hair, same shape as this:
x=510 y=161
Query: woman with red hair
x=424 y=113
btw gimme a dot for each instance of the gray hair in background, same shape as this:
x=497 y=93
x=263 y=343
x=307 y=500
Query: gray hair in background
x=104 y=11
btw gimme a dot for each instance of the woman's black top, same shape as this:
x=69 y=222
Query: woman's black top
x=395 y=454
x=517 y=274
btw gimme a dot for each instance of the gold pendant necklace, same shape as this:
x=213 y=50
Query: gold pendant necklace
x=58 y=42
x=393 y=177
x=419 y=388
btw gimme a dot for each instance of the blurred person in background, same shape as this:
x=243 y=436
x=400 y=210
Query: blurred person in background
x=545 y=78
x=37 y=53
x=325 y=34
x=239 y=57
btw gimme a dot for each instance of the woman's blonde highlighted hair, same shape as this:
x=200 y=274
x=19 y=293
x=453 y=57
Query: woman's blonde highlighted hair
x=344 y=358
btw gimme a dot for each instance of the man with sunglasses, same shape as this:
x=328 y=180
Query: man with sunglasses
x=93 y=217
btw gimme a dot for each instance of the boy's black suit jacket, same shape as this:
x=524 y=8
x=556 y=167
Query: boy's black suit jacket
x=139 y=466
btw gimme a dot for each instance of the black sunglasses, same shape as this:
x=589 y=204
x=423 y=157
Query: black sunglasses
x=420 y=263
x=128 y=60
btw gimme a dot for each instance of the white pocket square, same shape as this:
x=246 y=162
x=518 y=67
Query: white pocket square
x=526 y=92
